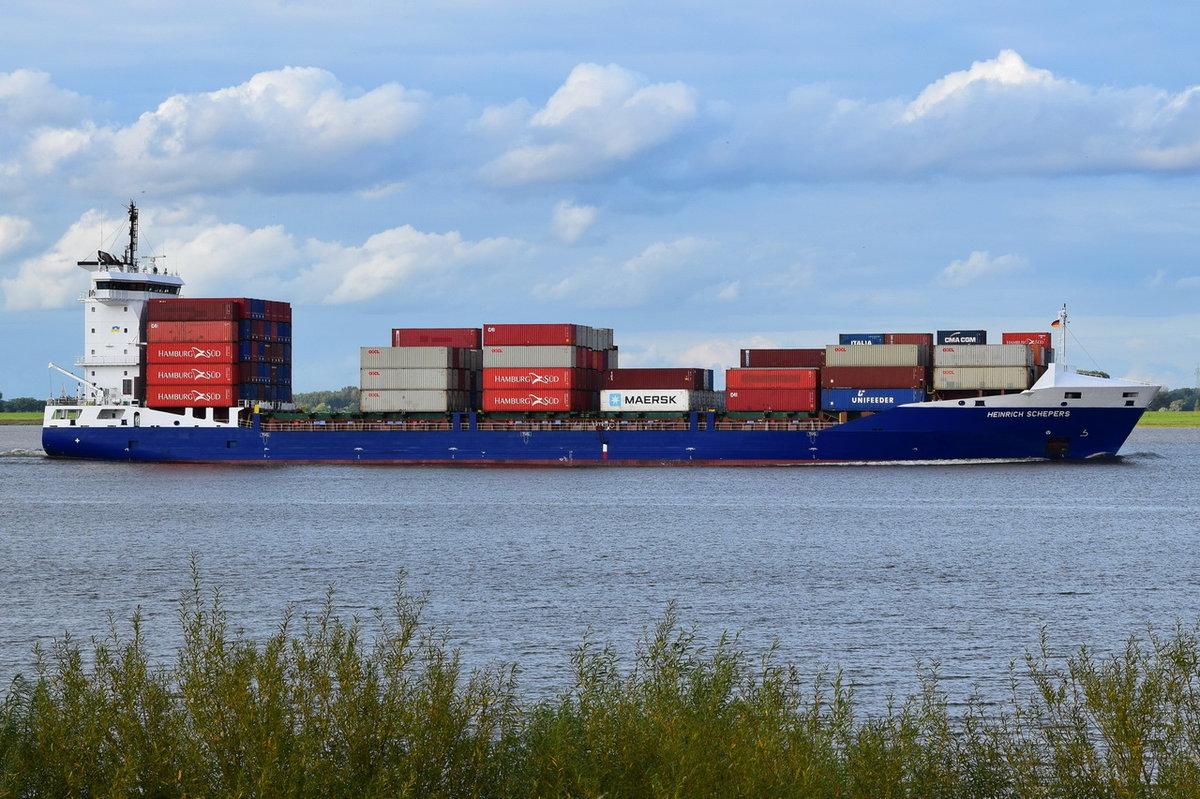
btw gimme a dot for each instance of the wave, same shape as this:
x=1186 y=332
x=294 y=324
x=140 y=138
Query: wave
x=22 y=453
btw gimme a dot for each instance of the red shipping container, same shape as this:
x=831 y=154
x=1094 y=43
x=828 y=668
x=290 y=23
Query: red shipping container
x=529 y=335
x=667 y=377
x=515 y=378
x=195 y=332
x=921 y=339
x=770 y=378
x=1044 y=339
x=469 y=337
x=539 y=400
x=783 y=359
x=178 y=374
x=771 y=399
x=189 y=352
x=190 y=396
x=186 y=309
x=874 y=377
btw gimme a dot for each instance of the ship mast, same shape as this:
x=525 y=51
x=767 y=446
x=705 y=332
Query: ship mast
x=1061 y=356
x=131 y=249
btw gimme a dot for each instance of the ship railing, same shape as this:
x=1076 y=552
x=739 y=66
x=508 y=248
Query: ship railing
x=517 y=425
x=549 y=425
x=773 y=424
x=321 y=425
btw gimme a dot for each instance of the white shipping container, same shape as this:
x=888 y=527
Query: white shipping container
x=982 y=377
x=982 y=355
x=877 y=355
x=419 y=358
x=558 y=356
x=384 y=400
x=659 y=400
x=425 y=379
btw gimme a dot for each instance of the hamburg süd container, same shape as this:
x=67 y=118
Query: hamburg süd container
x=1044 y=339
x=982 y=377
x=539 y=400
x=191 y=396
x=878 y=355
x=982 y=355
x=178 y=374
x=868 y=399
x=187 y=352
x=874 y=377
x=537 y=377
x=771 y=378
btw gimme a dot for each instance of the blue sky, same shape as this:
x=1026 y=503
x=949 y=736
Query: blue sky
x=699 y=176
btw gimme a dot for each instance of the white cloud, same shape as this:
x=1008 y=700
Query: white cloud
x=730 y=291
x=52 y=280
x=13 y=231
x=632 y=283
x=572 y=221
x=601 y=116
x=1007 y=69
x=980 y=265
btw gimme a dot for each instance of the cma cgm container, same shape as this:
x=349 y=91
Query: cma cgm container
x=874 y=377
x=783 y=359
x=193 y=332
x=665 y=377
x=983 y=355
x=982 y=377
x=561 y=357
x=868 y=399
x=540 y=400
x=512 y=378
x=878 y=355
x=771 y=378
x=962 y=337
x=771 y=399
x=467 y=337
x=418 y=358
x=413 y=400
x=658 y=400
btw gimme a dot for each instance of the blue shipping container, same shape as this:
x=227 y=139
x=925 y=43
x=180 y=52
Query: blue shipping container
x=962 y=337
x=868 y=399
x=860 y=338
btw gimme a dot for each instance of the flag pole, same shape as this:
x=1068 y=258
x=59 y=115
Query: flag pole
x=1061 y=357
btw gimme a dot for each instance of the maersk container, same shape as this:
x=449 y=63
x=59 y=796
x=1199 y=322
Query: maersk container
x=415 y=357
x=179 y=374
x=860 y=338
x=419 y=379
x=868 y=399
x=878 y=355
x=467 y=337
x=187 y=352
x=658 y=377
x=658 y=400
x=982 y=355
x=771 y=399
x=565 y=357
x=539 y=400
x=962 y=337
x=874 y=377
x=783 y=359
x=515 y=378
x=982 y=377
x=771 y=378
x=200 y=332
x=413 y=400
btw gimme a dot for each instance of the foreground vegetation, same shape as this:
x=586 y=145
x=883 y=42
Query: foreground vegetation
x=322 y=709
x=1170 y=419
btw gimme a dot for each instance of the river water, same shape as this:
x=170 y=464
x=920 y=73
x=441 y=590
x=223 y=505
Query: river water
x=871 y=569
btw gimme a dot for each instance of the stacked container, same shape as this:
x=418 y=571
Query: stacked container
x=767 y=389
x=783 y=359
x=430 y=370
x=545 y=367
x=871 y=378
x=984 y=367
x=658 y=390
x=217 y=352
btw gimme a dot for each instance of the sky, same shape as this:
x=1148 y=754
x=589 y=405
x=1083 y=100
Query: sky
x=701 y=177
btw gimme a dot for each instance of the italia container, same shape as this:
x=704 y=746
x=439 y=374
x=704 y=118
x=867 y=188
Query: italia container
x=962 y=337
x=539 y=400
x=982 y=377
x=860 y=338
x=783 y=358
x=423 y=379
x=868 y=399
x=874 y=377
x=771 y=399
x=184 y=309
x=187 y=352
x=657 y=400
x=982 y=355
x=561 y=357
x=201 y=332
x=468 y=337
x=533 y=377
x=654 y=378
x=413 y=400
x=417 y=358
x=191 y=396
x=183 y=374
x=878 y=355
x=771 y=378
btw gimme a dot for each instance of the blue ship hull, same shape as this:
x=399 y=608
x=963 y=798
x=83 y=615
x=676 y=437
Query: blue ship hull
x=906 y=433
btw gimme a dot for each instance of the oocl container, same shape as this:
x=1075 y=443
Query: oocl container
x=878 y=355
x=413 y=400
x=982 y=355
x=423 y=379
x=563 y=357
x=417 y=357
x=982 y=377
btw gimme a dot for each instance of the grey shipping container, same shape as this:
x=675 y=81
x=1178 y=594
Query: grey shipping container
x=415 y=400
x=419 y=358
x=877 y=355
x=982 y=377
x=982 y=355
x=424 y=379
x=555 y=356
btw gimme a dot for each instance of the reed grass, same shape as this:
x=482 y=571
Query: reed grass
x=325 y=708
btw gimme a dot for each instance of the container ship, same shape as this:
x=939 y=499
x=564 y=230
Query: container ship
x=168 y=378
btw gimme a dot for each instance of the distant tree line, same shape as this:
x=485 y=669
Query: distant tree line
x=21 y=405
x=1179 y=399
x=344 y=400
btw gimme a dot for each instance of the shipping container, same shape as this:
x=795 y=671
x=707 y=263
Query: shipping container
x=771 y=378
x=983 y=377
x=514 y=378
x=177 y=374
x=962 y=337
x=1044 y=339
x=874 y=377
x=880 y=355
x=465 y=337
x=564 y=357
x=539 y=400
x=860 y=338
x=188 y=352
x=659 y=400
x=771 y=399
x=195 y=332
x=414 y=401
x=417 y=358
x=186 y=309
x=420 y=379
x=868 y=399
x=659 y=377
x=190 y=396
x=783 y=359
x=921 y=339
x=982 y=355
